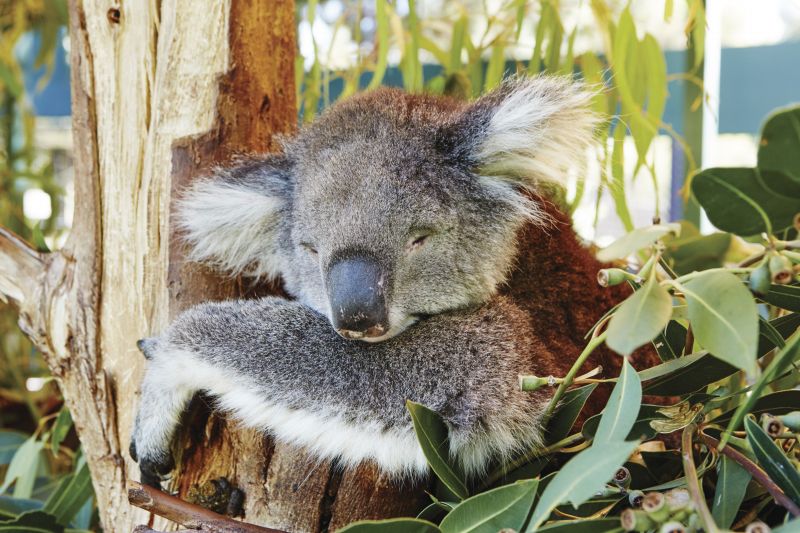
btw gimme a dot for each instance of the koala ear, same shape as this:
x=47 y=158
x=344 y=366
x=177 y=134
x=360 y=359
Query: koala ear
x=236 y=219
x=529 y=130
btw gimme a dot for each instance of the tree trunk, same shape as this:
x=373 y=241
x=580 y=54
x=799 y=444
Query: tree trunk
x=161 y=91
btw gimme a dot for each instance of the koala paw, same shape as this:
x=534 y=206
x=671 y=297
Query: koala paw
x=218 y=495
x=152 y=469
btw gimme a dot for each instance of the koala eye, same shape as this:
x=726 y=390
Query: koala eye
x=417 y=242
x=309 y=248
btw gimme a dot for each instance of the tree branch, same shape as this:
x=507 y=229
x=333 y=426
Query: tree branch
x=187 y=514
x=21 y=267
x=759 y=475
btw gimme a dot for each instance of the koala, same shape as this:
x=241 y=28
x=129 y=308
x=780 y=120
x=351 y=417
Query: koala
x=424 y=262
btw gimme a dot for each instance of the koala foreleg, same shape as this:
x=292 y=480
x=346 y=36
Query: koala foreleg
x=278 y=366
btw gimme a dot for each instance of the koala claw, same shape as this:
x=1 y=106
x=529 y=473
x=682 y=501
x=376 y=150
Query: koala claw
x=152 y=471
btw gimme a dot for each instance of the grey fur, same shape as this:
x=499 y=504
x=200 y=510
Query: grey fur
x=373 y=174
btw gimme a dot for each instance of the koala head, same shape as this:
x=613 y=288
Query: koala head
x=391 y=207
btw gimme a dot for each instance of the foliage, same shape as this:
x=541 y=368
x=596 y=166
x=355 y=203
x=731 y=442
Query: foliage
x=44 y=484
x=733 y=336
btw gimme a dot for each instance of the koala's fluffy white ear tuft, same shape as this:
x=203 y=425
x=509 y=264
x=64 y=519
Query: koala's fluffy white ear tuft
x=232 y=220
x=534 y=129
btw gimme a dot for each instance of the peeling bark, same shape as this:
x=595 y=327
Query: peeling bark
x=161 y=91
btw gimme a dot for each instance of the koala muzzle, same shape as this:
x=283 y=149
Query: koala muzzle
x=357 y=295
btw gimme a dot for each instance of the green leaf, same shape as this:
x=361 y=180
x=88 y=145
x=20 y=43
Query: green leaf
x=60 y=429
x=724 y=318
x=772 y=459
x=669 y=344
x=433 y=438
x=746 y=201
x=783 y=296
x=72 y=493
x=567 y=412
x=32 y=522
x=780 y=143
x=641 y=427
x=732 y=482
x=457 y=44
x=496 y=67
x=616 y=187
x=600 y=525
x=640 y=318
x=11 y=507
x=10 y=441
x=394 y=525
x=22 y=468
x=697 y=252
x=622 y=408
x=684 y=375
x=504 y=507
x=785 y=357
x=776 y=403
x=636 y=240
x=582 y=477
x=382 y=35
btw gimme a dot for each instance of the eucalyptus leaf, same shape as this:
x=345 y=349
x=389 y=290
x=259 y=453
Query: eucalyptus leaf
x=10 y=441
x=775 y=403
x=504 y=507
x=670 y=343
x=641 y=428
x=581 y=478
x=32 y=522
x=393 y=525
x=746 y=201
x=432 y=435
x=22 y=468
x=636 y=240
x=60 y=429
x=724 y=318
x=622 y=408
x=599 y=525
x=783 y=296
x=772 y=459
x=640 y=318
x=782 y=360
x=779 y=148
x=567 y=412
x=72 y=493
x=732 y=482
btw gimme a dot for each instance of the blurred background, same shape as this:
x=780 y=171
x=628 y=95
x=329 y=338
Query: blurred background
x=701 y=77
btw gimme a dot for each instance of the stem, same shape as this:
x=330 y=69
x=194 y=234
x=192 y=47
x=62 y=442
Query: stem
x=532 y=454
x=187 y=514
x=693 y=481
x=594 y=342
x=759 y=475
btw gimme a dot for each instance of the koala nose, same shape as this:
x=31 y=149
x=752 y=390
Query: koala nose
x=357 y=295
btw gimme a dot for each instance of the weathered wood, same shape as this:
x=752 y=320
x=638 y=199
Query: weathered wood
x=161 y=91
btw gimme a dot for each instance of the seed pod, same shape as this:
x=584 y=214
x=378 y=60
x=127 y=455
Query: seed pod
x=635 y=498
x=772 y=425
x=792 y=256
x=636 y=520
x=622 y=477
x=678 y=499
x=655 y=505
x=532 y=383
x=608 y=277
x=673 y=527
x=792 y=420
x=760 y=279
x=757 y=527
x=780 y=269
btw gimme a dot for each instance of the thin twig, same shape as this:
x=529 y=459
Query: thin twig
x=693 y=481
x=187 y=514
x=758 y=474
x=568 y=379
